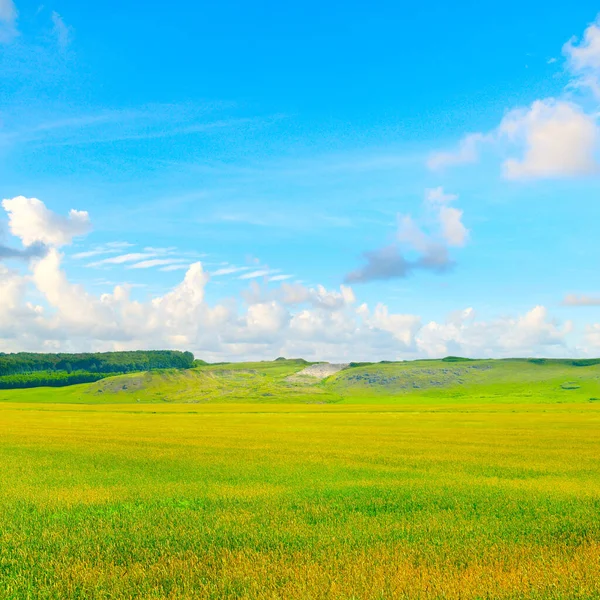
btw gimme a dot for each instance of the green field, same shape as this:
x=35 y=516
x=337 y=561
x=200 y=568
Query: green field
x=512 y=381
x=406 y=480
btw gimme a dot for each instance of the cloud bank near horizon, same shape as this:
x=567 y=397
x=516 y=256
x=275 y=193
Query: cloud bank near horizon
x=43 y=310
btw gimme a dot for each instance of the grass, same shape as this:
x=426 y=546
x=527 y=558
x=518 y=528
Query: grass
x=299 y=501
x=514 y=381
x=234 y=382
x=417 y=382
x=429 y=479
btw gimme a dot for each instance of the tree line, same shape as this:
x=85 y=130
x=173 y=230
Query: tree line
x=95 y=362
x=29 y=369
x=48 y=379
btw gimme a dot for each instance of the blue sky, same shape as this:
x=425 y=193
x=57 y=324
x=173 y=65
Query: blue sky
x=277 y=144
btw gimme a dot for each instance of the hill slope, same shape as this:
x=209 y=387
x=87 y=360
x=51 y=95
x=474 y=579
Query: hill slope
x=517 y=380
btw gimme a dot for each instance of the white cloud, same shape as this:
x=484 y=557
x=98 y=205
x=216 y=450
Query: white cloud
x=91 y=253
x=328 y=325
x=229 y=270
x=583 y=59
x=581 y=300
x=264 y=322
x=61 y=31
x=119 y=244
x=8 y=21
x=318 y=297
x=122 y=258
x=257 y=273
x=32 y=222
x=159 y=250
x=151 y=257
x=467 y=152
x=437 y=196
x=431 y=248
x=290 y=320
x=453 y=230
x=109 y=248
x=158 y=262
x=280 y=277
x=463 y=335
x=175 y=267
x=555 y=138
x=559 y=140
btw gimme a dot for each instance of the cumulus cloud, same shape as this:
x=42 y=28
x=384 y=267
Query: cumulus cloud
x=297 y=294
x=316 y=323
x=453 y=229
x=583 y=58
x=555 y=138
x=431 y=249
x=558 y=138
x=289 y=320
x=462 y=334
x=318 y=297
x=33 y=223
x=8 y=21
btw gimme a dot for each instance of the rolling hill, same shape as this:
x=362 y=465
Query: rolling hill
x=455 y=380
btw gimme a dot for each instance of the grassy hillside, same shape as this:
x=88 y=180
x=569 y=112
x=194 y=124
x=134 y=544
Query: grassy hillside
x=518 y=380
x=275 y=381
x=281 y=381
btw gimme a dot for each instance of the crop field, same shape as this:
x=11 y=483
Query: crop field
x=300 y=500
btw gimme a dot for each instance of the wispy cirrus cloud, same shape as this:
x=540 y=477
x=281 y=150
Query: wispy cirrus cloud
x=8 y=21
x=167 y=258
x=155 y=121
x=122 y=259
x=61 y=31
x=229 y=270
x=258 y=273
x=109 y=248
x=158 y=262
x=178 y=267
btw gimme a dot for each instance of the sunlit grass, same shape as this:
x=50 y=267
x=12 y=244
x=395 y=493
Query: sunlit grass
x=275 y=382
x=291 y=501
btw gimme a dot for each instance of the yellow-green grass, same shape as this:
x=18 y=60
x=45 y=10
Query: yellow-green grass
x=418 y=382
x=300 y=501
x=516 y=380
x=269 y=381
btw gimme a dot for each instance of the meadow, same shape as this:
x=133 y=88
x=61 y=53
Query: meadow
x=408 y=497
x=282 y=381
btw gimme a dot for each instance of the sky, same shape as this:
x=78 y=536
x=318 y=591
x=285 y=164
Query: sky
x=337 y=181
